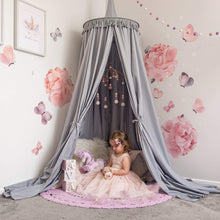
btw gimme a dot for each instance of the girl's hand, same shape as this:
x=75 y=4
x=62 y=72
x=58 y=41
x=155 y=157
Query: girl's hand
x=105 y=169
x=112 y=171
x=102 y=171
x=108 y=174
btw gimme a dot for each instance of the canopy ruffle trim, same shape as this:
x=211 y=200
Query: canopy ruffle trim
x=109 y=22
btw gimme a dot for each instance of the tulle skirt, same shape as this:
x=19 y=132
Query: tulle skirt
x=128 y=186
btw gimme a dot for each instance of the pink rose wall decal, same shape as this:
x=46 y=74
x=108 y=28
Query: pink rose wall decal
x=179 y=136
x=59 y=86
x=160 y=62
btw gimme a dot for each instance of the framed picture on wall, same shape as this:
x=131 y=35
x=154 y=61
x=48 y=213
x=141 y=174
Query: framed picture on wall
x=30 y=28
x=1 y=23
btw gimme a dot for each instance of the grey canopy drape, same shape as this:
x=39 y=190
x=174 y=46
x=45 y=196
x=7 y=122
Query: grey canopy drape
x=98 y=36
x=111 y=107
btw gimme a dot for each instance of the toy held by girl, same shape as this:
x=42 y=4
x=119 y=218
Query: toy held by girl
x=115 y=180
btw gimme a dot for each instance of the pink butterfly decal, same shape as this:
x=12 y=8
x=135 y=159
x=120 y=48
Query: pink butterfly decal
x=157 y=93
x=185 y=80
x=170 y=105
x=45 y=116
x=36 y=149
x=188 y=33
x=198 y=106
x=8 y=56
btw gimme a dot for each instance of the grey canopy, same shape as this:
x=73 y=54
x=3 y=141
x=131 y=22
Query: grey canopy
x=114 y=40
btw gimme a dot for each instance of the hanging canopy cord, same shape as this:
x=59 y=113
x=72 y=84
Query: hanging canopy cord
x=76 y=125
x=139 y=121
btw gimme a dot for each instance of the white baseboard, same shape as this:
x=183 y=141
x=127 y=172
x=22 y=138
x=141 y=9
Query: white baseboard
x=1 y=190
x=209 y=182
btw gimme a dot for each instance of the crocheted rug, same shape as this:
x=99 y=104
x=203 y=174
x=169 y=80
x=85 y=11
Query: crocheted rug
x=75 y=199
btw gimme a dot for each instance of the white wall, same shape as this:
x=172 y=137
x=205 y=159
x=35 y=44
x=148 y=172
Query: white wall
x=200 y=59
x=22 y=86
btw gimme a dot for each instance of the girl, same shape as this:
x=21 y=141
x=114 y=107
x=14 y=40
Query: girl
x=123 y=183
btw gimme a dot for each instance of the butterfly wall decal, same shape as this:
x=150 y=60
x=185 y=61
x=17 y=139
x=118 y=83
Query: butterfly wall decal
x=198 y=106
x=185 y=80
x=37 y=148
x=169 y=106
x=157 y=93
x=8 y=56
x=40 y=109
x=147 y=49
x=188 y=34
x=57 y=33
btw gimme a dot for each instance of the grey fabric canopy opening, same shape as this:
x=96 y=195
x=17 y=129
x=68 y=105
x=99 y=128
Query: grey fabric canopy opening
x=98 y=37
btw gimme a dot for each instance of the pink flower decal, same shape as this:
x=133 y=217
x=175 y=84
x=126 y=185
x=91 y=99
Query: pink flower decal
x=58 y=86
x=157 y=93
x=179 y=135
x=160 y=62
x=188 y=33
x=117 y=141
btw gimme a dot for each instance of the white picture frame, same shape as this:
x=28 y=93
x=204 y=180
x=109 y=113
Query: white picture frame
x=1 y=22
x=30 y=28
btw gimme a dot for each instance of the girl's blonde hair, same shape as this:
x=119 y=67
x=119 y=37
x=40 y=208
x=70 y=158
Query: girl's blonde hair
x=123 y=137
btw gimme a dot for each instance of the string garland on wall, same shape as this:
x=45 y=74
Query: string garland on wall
x=188 y=32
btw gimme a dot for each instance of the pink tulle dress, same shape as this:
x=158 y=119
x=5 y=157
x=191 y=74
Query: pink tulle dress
x=128 y=186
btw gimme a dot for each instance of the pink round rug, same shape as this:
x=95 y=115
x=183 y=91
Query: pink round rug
x=75 y=199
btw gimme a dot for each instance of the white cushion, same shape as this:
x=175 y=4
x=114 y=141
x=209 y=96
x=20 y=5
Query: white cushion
x=97 y=146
